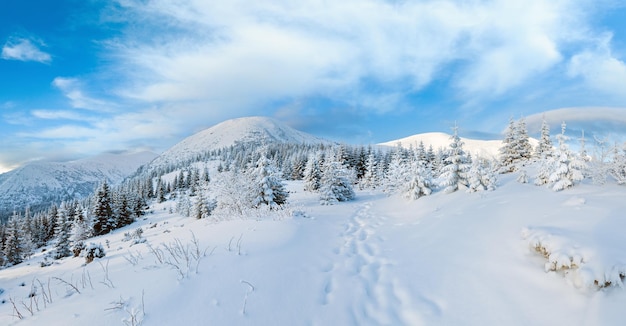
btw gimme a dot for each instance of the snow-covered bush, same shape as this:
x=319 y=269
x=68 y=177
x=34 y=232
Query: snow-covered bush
x=93 y=251
x=582 y=266
x=77 y=248
x=135 y=236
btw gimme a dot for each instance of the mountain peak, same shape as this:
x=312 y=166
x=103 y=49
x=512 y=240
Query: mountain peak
x=256 y=129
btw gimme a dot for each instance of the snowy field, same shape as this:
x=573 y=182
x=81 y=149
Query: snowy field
x=520 y=255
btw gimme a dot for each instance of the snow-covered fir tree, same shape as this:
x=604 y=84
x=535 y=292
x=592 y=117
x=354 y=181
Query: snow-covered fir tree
x=62 y=232
x=516 y=147
x=370 y=178
x=397 y=174
x=454 y=173
x=544 y=147
x=420 y=180
x=313 y=173
x=617 y=165
x=13 y=245
x=336 y=182
x=568 y=167
x=203 y=207
x=103 y=219
x=481 y=176
x=268 y=185
x=81 y=227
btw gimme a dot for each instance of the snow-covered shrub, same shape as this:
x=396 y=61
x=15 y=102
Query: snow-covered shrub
x=580 y=265
x=93 y=251
x=77 y=248
x=135 y=236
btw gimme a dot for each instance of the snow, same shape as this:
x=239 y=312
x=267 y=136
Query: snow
x=444 y=259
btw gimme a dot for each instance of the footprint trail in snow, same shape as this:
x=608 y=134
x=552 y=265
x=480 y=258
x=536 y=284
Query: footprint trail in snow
x=361 y=270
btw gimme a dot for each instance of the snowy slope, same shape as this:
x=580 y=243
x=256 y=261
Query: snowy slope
x=38 y=183
x=258 y=130
x=445 y=259
x=480 y=148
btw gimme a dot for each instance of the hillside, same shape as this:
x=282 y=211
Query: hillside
x=40 y=183
x=254 y=130
x=479 y=148
x=445 y=259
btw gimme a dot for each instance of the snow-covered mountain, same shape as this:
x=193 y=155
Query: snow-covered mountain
x=478 y=148
x=37 y=184
x=257 y=130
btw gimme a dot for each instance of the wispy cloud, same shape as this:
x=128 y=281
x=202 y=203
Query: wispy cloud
x=23 y=49
x=245 y=54
x=72 y=89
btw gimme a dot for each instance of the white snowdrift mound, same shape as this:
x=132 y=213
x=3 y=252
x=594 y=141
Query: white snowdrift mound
x=452 y=259
x=258 y=130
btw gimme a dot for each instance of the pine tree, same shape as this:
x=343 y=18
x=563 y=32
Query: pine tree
x=269 y=187
x=13 y=248
x=568 y=168
x=62 y=233
x=160 y=191
x=544 y=148
x=313 y=173
x=102 y=212
x=81 y=228
x=370 y=178
x=454 y=173
x=420 y=181
x=336 y=182
x=397 y=173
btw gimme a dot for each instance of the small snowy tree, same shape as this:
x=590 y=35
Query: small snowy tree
x=544 y=147
x=420 y=181
x=336 y=182
x=397 y=173
x=102 y=212
x=269 y=187
x=567 y=168
x=62 y=233
x=312 y=173
x=370 y=178
x=481 y=176
x=454 y=173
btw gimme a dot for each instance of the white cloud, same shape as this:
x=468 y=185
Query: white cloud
x=72 y=89
x=599 y=68
x=246 y=54
x=24 y=50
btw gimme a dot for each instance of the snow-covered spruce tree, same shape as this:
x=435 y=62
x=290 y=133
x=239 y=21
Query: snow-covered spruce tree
x=420 y=181
x=203 y=207
x=13 y=248
x=524 y=149
x=313 y=173
x=268 y=185
x=81 y=230
x=617 y=166
x=62 y=233
x=370 y=178
x=481 y=176
x=336 y=182
x=568 y=167
x=516 y=147
x=454 y=173
x=544 y=147
x=397 y=174
x=102 y=211
x=508 y=154
x=160 y=191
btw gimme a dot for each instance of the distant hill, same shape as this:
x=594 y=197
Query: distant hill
x=479 y=148
x=38 y=184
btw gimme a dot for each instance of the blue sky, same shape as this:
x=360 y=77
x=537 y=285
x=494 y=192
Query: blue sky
x=80 y=77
